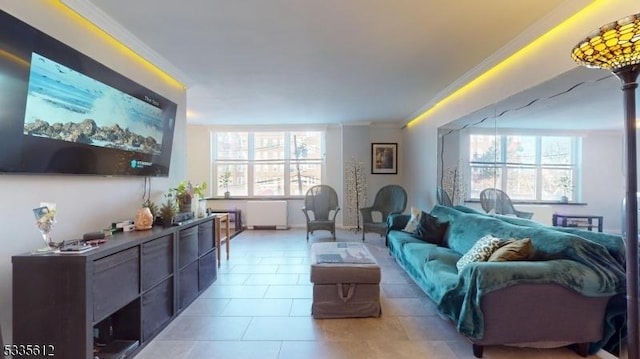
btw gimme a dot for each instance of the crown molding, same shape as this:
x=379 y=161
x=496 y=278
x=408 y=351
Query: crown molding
x=99 y=18
x=540 y=27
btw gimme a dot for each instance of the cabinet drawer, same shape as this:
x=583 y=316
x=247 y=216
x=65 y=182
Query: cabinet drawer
x=157 y=308
x=207 y=270
x=206 y=241
x=188 y=246
x=157 y=261
x=116 y=281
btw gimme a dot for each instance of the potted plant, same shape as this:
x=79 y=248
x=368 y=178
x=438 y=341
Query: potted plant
x=223 y=182
x=153 y=208
x=566 y=185
x=185 y=191
x=167 y=211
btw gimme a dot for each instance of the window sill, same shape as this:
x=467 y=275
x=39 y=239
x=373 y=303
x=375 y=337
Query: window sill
x=570 y=203
x=248 y=198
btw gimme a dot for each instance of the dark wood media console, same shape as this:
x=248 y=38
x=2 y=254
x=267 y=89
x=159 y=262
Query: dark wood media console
x=123 y=292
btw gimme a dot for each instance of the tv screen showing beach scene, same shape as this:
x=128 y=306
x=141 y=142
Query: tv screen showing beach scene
x=64 y=104
x=63 y=112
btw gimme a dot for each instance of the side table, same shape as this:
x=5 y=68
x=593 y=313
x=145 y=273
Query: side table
x=237 y=216
x=219 y=219
x=577 y=220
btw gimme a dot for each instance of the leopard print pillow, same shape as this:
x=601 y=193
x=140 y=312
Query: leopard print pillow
x=481 y=251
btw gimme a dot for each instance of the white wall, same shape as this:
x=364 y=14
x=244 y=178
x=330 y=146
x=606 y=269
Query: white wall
x=84 y=203
x=341 y=142
x=543 y=62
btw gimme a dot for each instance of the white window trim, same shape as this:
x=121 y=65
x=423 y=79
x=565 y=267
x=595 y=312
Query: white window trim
x=576 y=167
x=251 y=161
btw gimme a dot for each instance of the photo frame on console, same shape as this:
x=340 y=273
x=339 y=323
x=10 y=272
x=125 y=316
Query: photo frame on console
x=384 y=158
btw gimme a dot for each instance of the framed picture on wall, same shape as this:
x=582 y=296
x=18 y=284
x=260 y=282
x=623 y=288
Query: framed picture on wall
x=384 y=158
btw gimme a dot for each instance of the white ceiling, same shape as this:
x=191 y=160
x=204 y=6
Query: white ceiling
x=318 y=61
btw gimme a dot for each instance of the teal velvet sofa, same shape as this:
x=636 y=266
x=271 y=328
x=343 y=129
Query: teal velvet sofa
x=569 y=292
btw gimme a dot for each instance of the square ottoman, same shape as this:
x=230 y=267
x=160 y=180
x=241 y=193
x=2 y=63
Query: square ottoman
x=346 y=281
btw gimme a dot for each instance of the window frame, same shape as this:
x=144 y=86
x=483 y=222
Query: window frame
x=504 y=165
x=287 y=162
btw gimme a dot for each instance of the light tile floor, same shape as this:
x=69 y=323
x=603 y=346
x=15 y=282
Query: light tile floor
x=260 y=307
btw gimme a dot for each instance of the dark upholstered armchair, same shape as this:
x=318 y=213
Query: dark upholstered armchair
x=390 y=199
x=320 y=209
x=498 y=201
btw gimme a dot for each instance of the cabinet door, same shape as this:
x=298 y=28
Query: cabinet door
x=206 y=240
x=157 y=261
x=188 y=284
x=116 y=281
x=157 y=308
x=188 y=246
x=207 y=270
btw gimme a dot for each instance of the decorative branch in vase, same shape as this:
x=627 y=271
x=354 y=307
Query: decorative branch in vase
x=356 y=190
x=453 y=184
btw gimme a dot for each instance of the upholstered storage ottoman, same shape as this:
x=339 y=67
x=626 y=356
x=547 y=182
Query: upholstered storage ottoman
x=346 y=281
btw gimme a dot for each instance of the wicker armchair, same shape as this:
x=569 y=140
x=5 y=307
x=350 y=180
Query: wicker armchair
x=390 y=199
x=320 y=209
x=493 y=199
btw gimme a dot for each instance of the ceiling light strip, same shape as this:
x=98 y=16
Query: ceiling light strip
x=84 y=22
x=514 y=58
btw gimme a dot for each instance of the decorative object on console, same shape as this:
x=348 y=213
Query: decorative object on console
x=167 y=211
x=153 y=208
x=616 y=47
x=144 y=219
x=45 y=220
x=384 y=158
x=184 y=193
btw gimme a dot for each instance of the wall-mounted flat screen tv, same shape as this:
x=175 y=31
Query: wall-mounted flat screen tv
x=62 y=112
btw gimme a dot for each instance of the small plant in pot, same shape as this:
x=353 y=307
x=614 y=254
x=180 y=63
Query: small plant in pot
x=566 y=185
x=167 y=211
x=184 y=192
x=224 y=181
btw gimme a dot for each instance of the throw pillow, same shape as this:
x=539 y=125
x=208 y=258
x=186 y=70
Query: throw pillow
x=516 y=250
x=412 y=225
x=430 y=229
x=481 y=251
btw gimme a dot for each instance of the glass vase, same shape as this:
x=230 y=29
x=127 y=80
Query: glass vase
x=45 y=227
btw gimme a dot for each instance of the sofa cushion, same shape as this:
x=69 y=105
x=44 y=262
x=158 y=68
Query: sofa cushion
x=414 y=221
x=433 y=267
x=481 y=251
x=430 y=229
x=513 y=250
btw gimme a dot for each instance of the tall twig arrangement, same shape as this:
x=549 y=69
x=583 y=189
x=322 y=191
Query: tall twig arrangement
x=453 y=183
x=356 y=191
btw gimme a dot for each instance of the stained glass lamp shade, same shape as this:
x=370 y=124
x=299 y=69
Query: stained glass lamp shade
x=616 y=47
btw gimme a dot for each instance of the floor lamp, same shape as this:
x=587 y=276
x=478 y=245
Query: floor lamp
x=616 y=47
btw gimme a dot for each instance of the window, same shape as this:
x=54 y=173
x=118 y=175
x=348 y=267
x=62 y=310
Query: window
x=268 y=163
x=527 y=167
